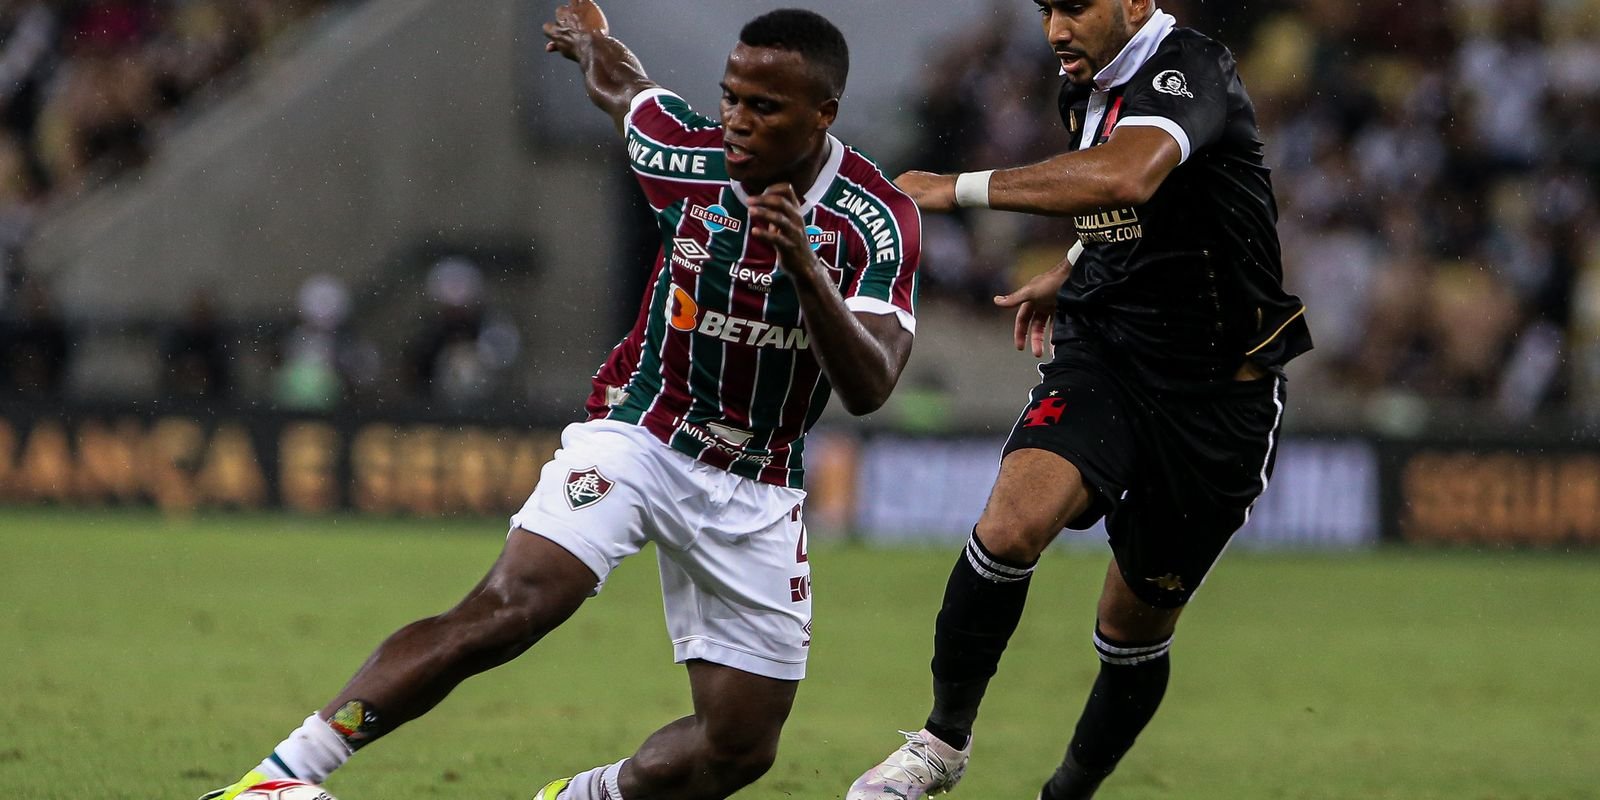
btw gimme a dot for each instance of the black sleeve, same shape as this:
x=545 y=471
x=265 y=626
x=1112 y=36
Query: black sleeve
x=1183 y=90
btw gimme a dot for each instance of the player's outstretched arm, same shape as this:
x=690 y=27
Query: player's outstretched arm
x=1123 y=172
x=611 y=73
x=862 y=354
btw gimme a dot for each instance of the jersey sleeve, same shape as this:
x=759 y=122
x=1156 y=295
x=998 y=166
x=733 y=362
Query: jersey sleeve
x=670 y=147
x=1184 y=91
x=887 y=283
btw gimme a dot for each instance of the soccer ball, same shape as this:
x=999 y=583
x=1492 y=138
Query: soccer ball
x=285 y=790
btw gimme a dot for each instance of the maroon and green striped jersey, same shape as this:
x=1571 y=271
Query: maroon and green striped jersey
x=719 y=364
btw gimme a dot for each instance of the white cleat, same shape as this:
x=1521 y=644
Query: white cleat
x=922 y=767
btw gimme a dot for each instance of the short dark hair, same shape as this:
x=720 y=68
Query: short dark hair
x=811 y=35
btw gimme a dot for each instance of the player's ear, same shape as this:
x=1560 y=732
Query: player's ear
x=827 y=112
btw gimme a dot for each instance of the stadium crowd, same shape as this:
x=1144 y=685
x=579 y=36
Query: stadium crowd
x=1436 y=178
x=1434 y=162
x=86 y=88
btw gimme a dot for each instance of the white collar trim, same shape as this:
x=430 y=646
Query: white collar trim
x=1136 y=52
x=819 y=187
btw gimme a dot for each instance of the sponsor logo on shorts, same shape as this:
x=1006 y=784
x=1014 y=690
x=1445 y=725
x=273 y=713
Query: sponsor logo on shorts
x=585 y=487
x=715 y=218
x=1044 y=411
x=799 y=588
x=1167 y=583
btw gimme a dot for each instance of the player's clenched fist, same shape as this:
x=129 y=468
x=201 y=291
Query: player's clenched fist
x=576 y=20
x=775 y=219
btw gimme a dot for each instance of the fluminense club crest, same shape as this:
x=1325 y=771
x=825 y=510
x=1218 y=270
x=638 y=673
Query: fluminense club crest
x=585 y=487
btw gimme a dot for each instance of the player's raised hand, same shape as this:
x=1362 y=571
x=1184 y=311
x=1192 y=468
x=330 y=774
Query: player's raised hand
x=775 y=219
x=931 y=192
x=576 y=20
x=1035 y=302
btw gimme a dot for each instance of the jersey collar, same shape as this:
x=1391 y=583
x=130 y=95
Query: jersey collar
x=819 y=187
x=1138 y=50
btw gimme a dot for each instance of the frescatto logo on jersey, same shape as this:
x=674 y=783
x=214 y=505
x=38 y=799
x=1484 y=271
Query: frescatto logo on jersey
x=818 y=237
x=715 y=218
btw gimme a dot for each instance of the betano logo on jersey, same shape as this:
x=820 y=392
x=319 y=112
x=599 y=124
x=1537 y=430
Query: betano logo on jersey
x=688 y=317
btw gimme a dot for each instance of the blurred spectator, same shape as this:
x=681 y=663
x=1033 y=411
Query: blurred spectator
x=465 y=348
x=195 y=354
x=37 y=344
x=322 y=360
x=28 y=31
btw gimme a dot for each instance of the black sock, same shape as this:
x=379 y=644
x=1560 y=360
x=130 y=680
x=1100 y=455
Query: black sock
x=1132 y=681
x=982 y=604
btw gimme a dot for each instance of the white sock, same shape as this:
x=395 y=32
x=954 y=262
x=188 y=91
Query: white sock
x=311 y=753
x=599 y=783
x=609 y=779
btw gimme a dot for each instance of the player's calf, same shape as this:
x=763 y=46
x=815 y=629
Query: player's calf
x=694 y=763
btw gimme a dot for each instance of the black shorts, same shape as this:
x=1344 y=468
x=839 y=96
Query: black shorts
x=1174 y=472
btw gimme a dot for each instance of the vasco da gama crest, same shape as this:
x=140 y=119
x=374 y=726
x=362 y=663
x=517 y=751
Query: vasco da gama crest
x=585 y=487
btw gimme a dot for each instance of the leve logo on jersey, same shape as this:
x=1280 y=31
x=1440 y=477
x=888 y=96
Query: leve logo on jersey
x=1174 y=83
x=715 y=218
x=686 y=315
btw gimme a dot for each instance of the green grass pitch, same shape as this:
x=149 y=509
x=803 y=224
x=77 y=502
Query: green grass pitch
x=149 y=658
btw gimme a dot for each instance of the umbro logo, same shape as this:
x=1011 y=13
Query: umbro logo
x=688 y=253
x=690 y=249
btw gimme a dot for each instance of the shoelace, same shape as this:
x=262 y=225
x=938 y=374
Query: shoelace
x=917 y=746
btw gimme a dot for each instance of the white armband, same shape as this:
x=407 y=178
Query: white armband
x=972 y=189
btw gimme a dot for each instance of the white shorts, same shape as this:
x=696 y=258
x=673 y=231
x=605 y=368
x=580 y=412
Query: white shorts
x=734 y=576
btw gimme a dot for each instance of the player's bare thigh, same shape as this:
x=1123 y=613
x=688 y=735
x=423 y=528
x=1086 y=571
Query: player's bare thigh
x=1035 y=496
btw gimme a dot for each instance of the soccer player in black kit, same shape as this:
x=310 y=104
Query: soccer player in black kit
x=1160 y=408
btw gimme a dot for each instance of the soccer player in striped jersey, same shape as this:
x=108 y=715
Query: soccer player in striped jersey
x=787 y=273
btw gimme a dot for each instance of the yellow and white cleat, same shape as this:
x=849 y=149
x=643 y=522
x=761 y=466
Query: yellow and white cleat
x=553 y=789
x=232 y=790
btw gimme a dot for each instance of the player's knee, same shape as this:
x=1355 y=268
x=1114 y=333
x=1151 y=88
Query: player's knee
x=1017 y=537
